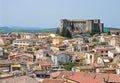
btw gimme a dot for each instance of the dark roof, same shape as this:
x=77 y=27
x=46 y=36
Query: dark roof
x=42 y=72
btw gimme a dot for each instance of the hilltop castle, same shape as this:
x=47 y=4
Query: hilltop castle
x=81 y=26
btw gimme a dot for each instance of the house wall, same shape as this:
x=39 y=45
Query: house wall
x=57 y=41
x=101 y=39
x=117 y=71
x=89 y=58
x=112 y=42
x=117 y=48
x=38 y=55
x=54 y=49
x=102 y=52
x=26 y=36
x=99 y=60
x=54 y=59
x=23 y=43
x=4 y=42
x=24 y=58
x=62 y=58
x=110 y=54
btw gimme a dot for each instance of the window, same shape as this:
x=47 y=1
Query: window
x=101 y=51
x=99 y=61
x=90 y=56
x=106 y=51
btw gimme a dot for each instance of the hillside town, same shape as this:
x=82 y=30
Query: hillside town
x=80 y=52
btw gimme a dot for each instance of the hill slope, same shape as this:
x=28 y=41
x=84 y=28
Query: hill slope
x=6 y=29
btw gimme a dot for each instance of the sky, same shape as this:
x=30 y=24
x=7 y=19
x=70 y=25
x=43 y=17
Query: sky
x=47 y=13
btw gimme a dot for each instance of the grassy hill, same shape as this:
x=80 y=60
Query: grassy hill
x=6 y=29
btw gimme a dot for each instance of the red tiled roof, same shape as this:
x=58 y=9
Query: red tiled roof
x=115 y=31
x=53 y=81
x=114 y=78
x=101 y=49
x=82 y=79
x=65 y=73
x=90 y=75
x=118 y=42
x=45 y=65
x=22 y=79
x=101 y=76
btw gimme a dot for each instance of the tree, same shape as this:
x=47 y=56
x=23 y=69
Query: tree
x=68 y=34
x=109 y=33
x=57 y=31
x=68 y=66
x=117 y=33
x=92 y=33
x=72 y=26
x=63 y=32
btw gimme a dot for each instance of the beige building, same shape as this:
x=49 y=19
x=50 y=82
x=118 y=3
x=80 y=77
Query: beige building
x=57 y=40
x=23 y=42
x=5 y=41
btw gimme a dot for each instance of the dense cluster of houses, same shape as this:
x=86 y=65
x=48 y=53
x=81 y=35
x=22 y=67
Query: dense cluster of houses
x=38 y=58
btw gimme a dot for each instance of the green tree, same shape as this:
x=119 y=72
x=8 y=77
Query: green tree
x=57 y=31
x=117 y=33
x=109 y=33
x=68 y=34
x=72 y=26
x=92 y=33
x=63 y=32
x=68 y=66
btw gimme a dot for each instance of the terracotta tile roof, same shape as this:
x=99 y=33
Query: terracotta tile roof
x=54 y=81
x=45 y=61
x=6 y=62
x=118 y=42
x=55 y=74
x=101 y=49
x=114 y=78
x=46 y=65
x=115 y=31
x=101 y=76
x=65 y=73
x=22 y=79
x=90 y=75
x=82 y=79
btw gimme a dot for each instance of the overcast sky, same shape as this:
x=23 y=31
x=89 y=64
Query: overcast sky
x=47 y=13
